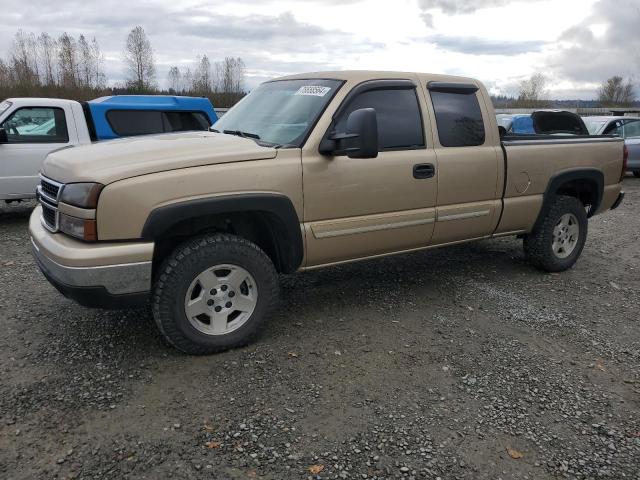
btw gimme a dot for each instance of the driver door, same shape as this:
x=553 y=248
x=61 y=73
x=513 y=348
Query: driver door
x=32 y=133
x=357 y=208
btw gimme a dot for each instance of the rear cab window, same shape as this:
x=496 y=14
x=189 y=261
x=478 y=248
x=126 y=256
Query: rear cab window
x=458 y=115
x=128 y=123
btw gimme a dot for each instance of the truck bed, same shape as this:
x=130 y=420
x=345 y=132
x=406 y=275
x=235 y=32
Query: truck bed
x=531 y=160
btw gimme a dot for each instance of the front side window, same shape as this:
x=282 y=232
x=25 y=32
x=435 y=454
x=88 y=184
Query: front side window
x=632 y=129
x=614 y=128
x=459 y=119
x=398 y=114
x=280 y=113
x=36 y=125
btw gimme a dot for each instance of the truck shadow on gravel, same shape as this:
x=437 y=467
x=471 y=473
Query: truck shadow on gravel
x=316 y=300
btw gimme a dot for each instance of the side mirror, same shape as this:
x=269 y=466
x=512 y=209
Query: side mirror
x=359 y=141
x=3 y=136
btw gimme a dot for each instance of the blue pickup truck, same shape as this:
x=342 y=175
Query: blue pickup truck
x=31 y=128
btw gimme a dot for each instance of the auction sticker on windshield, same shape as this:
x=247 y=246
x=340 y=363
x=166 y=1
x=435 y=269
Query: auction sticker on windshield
x=312 y=90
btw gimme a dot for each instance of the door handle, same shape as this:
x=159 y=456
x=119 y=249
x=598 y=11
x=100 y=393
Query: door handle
x=424 y=170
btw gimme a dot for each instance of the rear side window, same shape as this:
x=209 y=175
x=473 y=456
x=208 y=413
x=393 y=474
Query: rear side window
x=399 y=119
x=185 y=121
x=128 y=123
x=459 y=119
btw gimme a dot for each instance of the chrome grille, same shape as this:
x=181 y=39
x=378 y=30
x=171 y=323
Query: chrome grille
x=49 y=215
x=48 y=193
x=49 y=189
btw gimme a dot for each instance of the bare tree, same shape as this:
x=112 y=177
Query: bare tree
x=99 y=77
x=40 y=65
x=175 y=80
x=615 y=92
x=47 y=52
x=24 y=59
x=533 y=91
x=6 y=75
x=67 y=61
x=187 y=81
x=85 y=62
x=138 y=57
x=202 y=82
x=228 y=84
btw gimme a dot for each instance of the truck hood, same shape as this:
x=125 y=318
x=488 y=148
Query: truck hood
x=107 y=162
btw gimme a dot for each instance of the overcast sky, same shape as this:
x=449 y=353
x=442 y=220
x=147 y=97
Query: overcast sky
x=576 y=43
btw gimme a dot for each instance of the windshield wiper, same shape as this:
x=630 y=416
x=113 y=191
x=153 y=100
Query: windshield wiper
x=242 y=134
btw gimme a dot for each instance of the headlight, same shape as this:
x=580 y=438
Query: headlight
x=83 y=195
x=81 y=228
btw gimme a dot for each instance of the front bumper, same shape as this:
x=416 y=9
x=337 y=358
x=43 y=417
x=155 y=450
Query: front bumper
x=94 y=275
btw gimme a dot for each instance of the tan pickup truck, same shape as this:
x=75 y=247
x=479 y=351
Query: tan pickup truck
x=307 y=171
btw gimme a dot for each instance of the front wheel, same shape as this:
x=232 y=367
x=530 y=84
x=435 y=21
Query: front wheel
x=213 y=293
x=557 y=242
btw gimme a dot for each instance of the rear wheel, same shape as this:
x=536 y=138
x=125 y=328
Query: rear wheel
x=213 y=294
x=636 y=173
x=556 y=243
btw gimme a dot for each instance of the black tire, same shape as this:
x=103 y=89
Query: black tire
x=180 y=269
x=636 y=173
x=538 y=245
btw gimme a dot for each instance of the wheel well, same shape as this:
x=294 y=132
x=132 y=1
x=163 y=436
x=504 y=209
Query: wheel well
x=587 y=185
x=260 y=228
x=585 y=190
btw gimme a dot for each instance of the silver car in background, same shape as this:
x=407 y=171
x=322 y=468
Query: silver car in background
x=625 y=127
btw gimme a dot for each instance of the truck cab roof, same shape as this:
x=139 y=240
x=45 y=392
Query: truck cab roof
x=365 y=75
x=41 y=102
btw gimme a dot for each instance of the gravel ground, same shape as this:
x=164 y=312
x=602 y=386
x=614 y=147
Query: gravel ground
x=441 y=364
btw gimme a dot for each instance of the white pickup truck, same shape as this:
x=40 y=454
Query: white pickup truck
x=31 y=128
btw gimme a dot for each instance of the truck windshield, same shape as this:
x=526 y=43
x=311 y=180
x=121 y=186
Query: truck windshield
x=281 y=112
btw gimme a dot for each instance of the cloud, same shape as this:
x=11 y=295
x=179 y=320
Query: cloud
x=607 y=43
x=577 y=43
x=458 y=7
x=275 y=43
x=455 y=7
x=479 y=46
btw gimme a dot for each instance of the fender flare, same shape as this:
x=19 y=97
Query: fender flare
x=279 y=210
x=590 y=174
